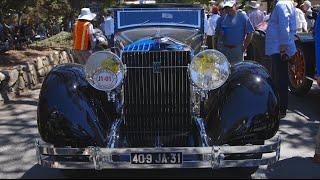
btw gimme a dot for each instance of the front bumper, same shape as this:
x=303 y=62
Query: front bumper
x=193 y=157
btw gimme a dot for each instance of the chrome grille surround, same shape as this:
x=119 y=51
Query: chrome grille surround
x=157 y=98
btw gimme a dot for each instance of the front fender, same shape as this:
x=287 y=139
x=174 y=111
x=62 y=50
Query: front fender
x=244 y=109
x=70 y=111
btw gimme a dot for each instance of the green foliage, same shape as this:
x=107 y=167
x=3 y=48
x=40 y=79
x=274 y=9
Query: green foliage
x=53 y=11
x=61 y=40
x=7 y=6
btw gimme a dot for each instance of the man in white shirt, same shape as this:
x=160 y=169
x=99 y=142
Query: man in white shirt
x=212 y=23
x=280 y=45
x=300 y=20
x=108 y=28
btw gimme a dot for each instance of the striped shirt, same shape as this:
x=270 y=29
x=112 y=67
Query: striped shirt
x=256 y=17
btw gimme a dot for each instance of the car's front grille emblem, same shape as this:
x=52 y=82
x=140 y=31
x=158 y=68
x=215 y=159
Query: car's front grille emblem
x=156 y=67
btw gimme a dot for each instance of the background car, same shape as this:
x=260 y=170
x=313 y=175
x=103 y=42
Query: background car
x=302 y=66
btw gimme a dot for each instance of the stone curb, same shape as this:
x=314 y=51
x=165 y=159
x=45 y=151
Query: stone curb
x=29 y=76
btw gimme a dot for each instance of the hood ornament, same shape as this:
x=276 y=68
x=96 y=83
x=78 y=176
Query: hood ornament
x=157 y=35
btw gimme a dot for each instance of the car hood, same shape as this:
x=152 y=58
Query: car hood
x=159 y=38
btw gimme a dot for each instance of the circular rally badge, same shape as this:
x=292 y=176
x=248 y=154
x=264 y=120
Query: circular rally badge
x=105 y=79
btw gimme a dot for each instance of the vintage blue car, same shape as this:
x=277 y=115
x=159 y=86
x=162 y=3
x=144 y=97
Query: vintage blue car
x=303 y=67
x=158 y=101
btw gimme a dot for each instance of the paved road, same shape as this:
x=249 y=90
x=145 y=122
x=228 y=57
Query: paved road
x=18 y=129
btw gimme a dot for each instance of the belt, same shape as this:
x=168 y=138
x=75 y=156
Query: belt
x=230 y=46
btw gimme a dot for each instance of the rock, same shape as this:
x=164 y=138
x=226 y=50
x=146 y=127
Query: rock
x=39 y=63
x=56 y=57
x=2 y=77
x=45 y=62
x=23 y=74
x=51 y=59
x=42 y=72
x=70 y=55
x=13 y=75
x=65 y=57
x=21 y=83
x=32 y=75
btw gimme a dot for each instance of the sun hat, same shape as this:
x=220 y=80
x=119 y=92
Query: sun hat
x=86 y=14
x=254 y=4
x=307 y=4
x=212 y=2
x=229 y=3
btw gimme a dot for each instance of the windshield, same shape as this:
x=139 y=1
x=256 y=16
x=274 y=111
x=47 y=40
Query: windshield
x=145 y=17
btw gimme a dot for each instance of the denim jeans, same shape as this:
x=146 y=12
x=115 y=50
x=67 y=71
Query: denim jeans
x=234 y=55
x=209 y=42
x=280 y=78
x=110 y=39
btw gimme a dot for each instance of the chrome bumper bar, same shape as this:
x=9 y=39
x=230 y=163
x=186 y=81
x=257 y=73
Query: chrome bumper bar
x=208 y=157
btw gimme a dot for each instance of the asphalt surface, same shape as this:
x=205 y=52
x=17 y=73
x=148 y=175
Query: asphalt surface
x=18 y=130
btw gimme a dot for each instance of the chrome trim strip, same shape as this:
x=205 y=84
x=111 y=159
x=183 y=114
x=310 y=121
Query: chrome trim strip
x=202 y=131
x=114 y=133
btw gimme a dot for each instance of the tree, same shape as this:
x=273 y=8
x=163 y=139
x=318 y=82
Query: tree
x=9 y=9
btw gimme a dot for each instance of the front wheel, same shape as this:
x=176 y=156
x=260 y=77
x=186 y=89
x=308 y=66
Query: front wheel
x=299 y=67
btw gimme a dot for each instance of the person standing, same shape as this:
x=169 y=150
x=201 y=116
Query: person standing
x=236 y=32
x=218 y=39
x=108 y=28
x=306 y=8
x=212 y=23
x=255 y=15
x=83 y=35
x=301 y=21
x=280 y=45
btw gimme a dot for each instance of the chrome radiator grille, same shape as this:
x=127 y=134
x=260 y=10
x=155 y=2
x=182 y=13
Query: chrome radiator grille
x=157 y=98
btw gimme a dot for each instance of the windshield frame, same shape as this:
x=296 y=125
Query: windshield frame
x=118 y=27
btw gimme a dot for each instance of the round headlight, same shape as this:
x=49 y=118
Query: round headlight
x=104 y=70
x=209 y=69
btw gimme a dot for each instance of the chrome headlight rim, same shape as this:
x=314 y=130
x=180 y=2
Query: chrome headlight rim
x=91 y=76
x=226 y=68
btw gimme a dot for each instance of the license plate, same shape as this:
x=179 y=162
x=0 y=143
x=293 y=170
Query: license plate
x=156 y=158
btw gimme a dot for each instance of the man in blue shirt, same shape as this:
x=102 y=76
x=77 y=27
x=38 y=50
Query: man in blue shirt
x=236 y=32
x=280 y=46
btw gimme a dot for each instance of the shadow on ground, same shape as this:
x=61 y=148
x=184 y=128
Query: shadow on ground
x=307 y=106
x=294 y=168
x=18 y=131
x=38 y=172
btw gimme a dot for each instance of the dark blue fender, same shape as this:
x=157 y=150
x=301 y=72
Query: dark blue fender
x=245 y=109
x=70 y=111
